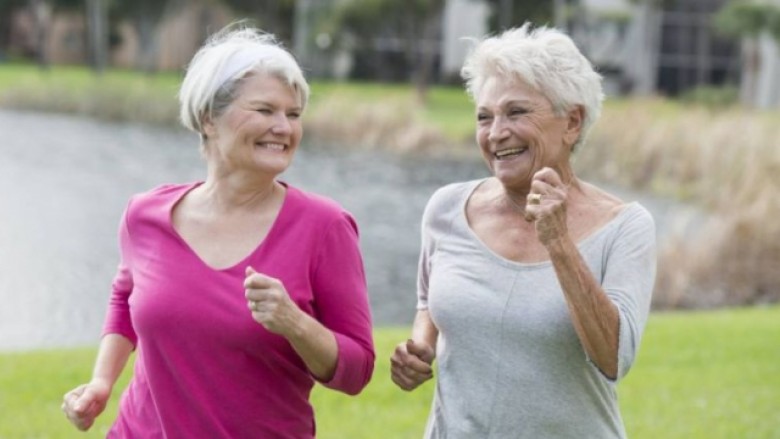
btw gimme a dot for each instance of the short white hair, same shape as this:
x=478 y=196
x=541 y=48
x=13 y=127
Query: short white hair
x=545 y=59
x=219 y=67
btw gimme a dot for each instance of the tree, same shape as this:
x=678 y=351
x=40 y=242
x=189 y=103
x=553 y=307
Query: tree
x=43 y=11
x=7 y=9
x=274 y=16
x=414 y=26
x=748 y=20
x=97 y=17
x=513 y=13
x=144 y=16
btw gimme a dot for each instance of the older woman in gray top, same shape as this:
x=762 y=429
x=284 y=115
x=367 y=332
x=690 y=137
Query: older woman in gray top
x=534 y=286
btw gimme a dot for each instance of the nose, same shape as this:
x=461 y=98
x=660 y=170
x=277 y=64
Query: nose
x=281 y=125
x=498 y=130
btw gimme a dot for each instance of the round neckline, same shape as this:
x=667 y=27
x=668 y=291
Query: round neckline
x=462 y=221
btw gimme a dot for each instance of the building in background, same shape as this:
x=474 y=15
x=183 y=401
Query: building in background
x=672 y=48
x=642 y=47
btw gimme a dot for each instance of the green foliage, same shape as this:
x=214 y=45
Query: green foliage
x=712 y=96
x=513 y=13
x=67 y=5
x=116 y=95
x=617 y=16
x=275 y=16
x=132 y=96
x=748 y=18
x=699 y=375
x=367 y=19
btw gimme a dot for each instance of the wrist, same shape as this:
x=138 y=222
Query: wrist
x=298 y=325
x=103 y=383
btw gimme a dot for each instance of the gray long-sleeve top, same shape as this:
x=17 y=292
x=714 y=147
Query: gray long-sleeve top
x=509 y=362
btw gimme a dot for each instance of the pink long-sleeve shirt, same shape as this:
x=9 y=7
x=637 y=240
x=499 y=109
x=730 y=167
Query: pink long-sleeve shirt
x=204 y=367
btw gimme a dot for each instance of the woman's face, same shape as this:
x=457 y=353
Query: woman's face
x=519 y=133
x=259 y=131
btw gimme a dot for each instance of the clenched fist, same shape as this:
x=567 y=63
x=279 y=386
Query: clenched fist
x=270 y=303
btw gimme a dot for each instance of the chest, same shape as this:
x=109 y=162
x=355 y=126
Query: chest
x=222 y=242
x=509 y=236
x=482 y=306
x=177 y=297
x=513 y=238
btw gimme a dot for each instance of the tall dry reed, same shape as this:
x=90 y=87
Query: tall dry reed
x=728 y=163
x=390 y=124
x=136 y=101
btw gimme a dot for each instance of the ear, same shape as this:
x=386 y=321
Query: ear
x=574 y=120
x=208 y=127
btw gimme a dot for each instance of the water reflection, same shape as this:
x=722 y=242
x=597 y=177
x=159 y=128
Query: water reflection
x=64 y=182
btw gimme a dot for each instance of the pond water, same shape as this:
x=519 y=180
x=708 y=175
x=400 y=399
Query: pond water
x=64 y=182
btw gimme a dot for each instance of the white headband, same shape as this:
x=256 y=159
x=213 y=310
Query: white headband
x=244 y=59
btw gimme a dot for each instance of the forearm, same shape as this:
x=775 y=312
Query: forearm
x=316 y=345
x=112 y=357
x=594 y=316
x=423 y=329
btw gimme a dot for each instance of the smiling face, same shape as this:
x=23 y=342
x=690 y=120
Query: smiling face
x=519 y=133
x=259 y=131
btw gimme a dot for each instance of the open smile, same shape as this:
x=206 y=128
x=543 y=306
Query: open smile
x=277 y=147
x=509 y=153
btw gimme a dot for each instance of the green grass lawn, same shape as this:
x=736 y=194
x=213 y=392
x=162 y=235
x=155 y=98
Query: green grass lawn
x=699 y=375
x=135 y=96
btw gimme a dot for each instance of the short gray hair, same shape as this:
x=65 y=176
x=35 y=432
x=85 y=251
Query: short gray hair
x=545 y=59
x=219 y=67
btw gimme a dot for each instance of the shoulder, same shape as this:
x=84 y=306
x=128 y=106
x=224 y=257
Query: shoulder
x=446 y=204
x=636 y=216
x=605 y=207
x=451 y=195
x=633 y=228
x=315 y=207
x=157 y=197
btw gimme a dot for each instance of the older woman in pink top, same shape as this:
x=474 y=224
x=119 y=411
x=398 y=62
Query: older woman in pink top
x=237 y=293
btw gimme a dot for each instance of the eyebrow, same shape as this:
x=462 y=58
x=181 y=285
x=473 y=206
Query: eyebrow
x=257 y=102
x=519 y=101
x=524 y=102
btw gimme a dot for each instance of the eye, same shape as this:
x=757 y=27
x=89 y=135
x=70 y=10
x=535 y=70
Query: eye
x=294 y=115
x=517 y=111
x=482 y=117
x=265 y=111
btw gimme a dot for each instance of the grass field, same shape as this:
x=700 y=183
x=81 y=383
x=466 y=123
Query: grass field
x=133 y=96
x=699 y=375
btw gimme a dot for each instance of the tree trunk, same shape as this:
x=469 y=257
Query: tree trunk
x=147 y=54
x=559 y=14
x=41 y=10
x=430 y=32
x=644 y=67
x=505 y=14
x=98 y=34
x=751 y=61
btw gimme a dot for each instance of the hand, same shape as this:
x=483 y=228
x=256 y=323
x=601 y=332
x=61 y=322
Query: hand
x=548 y=213
x=85 y=403
x=411 y=363
x=270 y=304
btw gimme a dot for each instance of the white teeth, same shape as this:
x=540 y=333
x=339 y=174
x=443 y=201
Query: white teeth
x=272 y=146
x=507 y=152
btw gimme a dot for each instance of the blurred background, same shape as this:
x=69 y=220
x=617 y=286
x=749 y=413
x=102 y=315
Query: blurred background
x=690 y=128
x=669 y=47
x=88 y=112
x=87 y=91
